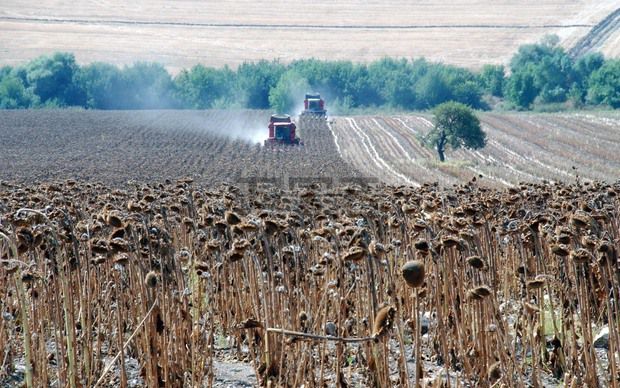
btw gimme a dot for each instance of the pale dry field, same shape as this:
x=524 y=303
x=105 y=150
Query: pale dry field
x=520 y=147
x=181 y=34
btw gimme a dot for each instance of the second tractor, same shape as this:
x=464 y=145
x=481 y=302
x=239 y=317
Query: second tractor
x=314 y=106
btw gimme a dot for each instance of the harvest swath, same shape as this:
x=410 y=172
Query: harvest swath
x=143 y=284
x=521 y=147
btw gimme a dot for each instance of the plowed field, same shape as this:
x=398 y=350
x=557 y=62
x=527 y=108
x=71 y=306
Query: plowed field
x=114 y=147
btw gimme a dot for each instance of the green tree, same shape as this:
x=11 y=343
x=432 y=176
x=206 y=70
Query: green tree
x=432 y=89
x=521 y=88
x=353 y=89
x=103 y=84
x=583 y=68
x=52 y=79
x=392 y=81
x=204 y=87
x=255 y=80
x=5 y=71
x=462 y=85
x=455 y=125
x=318 y=73
x=13 y=94
x=343 y=83
x=540 y=72
x=492 y=78
x=440 y=83
x=604 y=84
x=146 y=85
x=288 y=92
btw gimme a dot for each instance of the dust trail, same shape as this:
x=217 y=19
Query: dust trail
x=249 y=128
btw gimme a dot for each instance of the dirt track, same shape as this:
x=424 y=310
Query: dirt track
x=284 y=25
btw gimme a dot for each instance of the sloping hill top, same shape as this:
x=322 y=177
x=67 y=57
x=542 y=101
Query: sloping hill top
x=181 y=34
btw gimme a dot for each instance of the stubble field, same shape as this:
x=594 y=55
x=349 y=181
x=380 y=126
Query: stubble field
x=521 y=147
x=182 y=34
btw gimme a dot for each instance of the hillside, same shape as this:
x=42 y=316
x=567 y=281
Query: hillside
x=181 y=34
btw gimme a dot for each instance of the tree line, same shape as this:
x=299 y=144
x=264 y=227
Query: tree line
x=539 y=76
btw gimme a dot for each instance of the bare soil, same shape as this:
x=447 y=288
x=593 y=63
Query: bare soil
x=115 y=147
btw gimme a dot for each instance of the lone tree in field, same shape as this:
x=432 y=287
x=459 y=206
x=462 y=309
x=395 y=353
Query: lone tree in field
x=456 y=126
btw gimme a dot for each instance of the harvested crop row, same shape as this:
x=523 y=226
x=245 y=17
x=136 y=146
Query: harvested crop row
x=520 y=148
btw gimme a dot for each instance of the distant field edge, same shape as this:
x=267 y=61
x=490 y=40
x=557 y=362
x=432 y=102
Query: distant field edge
x=288 y=26
x=597 y=35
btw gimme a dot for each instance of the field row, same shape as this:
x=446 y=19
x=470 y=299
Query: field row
x=217 y=146
x=520 y=147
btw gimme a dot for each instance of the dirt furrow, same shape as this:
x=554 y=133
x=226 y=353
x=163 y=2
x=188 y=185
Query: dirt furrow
x=386 y=148
x=116 y=147
x=564 y=147
x=113 y=22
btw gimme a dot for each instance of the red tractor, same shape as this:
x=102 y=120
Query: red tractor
x=282 y=131
x=314 y=105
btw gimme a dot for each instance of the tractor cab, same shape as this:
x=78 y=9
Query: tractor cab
x=314 y=105
x=282 y=131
